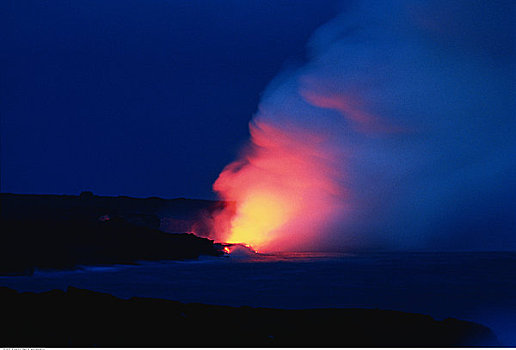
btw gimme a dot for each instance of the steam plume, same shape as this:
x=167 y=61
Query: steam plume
x=398 y=133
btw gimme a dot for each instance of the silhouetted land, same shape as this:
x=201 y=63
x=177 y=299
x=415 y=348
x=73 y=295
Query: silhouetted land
x=55 y=232
x=84 y=318
x=150 y=212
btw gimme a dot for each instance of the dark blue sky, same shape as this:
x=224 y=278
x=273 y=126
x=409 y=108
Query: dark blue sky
x=138 y=98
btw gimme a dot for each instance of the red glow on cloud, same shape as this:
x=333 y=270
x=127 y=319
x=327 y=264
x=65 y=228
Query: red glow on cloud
x=351 y=108
x=284 y=188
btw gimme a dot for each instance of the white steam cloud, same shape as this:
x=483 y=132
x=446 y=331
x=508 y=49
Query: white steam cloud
x=414 y=103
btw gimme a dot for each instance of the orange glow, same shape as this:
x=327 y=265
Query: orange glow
x=257 y=218
x=285 y=191
x=226 y=250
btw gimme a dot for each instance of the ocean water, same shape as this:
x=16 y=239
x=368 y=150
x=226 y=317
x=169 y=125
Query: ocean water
x=475 y=286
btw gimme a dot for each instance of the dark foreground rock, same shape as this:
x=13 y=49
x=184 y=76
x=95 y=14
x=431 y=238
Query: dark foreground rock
x=84 y=318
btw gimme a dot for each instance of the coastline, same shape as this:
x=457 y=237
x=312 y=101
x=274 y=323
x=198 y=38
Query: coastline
x=83 y=318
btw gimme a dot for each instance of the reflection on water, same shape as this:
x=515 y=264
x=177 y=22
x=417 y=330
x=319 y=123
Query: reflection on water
x=472 y=286
x=289 y=256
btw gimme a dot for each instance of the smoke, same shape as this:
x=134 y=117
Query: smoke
x=397 y=134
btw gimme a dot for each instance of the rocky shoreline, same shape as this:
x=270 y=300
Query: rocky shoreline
x=83 y=318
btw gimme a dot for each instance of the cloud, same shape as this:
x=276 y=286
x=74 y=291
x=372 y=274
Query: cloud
x=397 y=134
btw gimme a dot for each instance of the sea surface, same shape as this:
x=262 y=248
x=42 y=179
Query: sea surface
x=479 y=286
